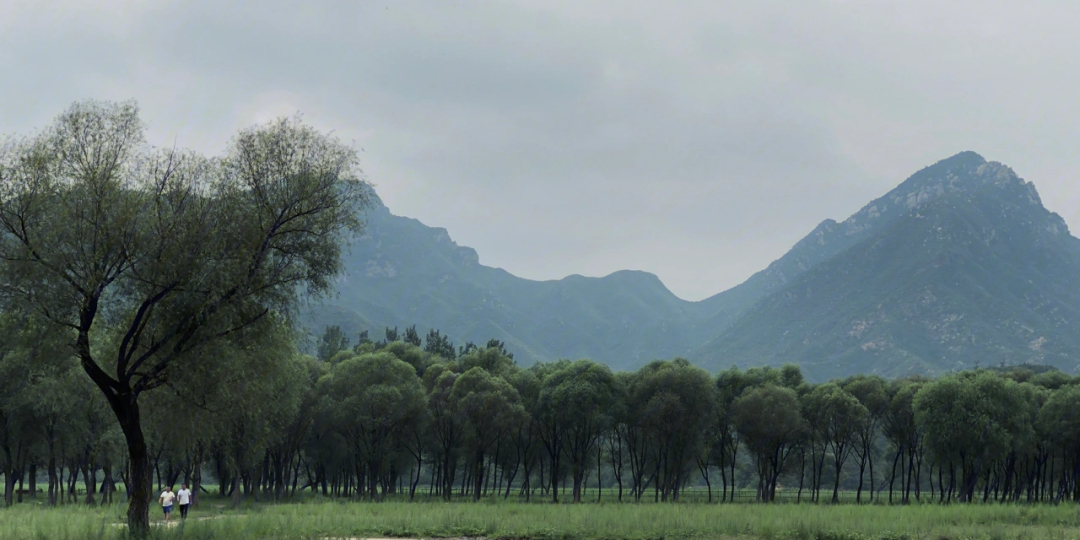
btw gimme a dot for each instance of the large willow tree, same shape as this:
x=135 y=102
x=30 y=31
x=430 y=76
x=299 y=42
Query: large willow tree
x=145 y=256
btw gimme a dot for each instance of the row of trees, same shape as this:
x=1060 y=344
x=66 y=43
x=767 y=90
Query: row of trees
x=146 y=297
x=391 y=418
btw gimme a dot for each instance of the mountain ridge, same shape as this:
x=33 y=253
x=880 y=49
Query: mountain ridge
x=951 y=267
x=403 y=272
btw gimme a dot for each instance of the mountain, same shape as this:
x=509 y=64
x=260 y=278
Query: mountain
x=402 y=272
x=830 y=238
x=959 y=265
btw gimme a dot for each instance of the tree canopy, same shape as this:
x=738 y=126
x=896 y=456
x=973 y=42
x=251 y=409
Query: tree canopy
x=142 y=257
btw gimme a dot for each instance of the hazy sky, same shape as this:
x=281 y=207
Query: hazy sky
x=694 y=140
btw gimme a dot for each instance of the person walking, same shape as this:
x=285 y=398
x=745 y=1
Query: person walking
x=166 y=499
x=183 y=498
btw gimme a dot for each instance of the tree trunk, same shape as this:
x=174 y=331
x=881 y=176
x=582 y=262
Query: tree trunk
x=599 y=477
x=9 y=486
x=32 y=480
x=415 y=482
x=873 y=486
x=802 y=474
x=54 y=483
x=892 y=477
x=479 y=475
x=579 y=478
x=196 y=479
x=555 y=478
x=836 y=487
x=9 y=476
x=862 y=472
x=90 y=481
x=139 y=491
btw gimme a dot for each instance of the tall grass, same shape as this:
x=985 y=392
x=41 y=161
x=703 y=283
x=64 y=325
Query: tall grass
x=321 y=520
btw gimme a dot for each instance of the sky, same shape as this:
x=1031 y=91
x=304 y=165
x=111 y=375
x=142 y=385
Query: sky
x=695 y=140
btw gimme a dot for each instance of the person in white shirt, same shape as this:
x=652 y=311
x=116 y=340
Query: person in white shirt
x=166 y=500
x=183 y=498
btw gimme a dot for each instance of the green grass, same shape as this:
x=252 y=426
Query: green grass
x=319 y=520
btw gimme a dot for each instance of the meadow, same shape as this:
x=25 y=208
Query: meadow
x=315 y=519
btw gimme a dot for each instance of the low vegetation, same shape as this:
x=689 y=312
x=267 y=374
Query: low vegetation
x=318 y=520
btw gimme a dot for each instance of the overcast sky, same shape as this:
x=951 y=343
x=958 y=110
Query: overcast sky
x=694 y=140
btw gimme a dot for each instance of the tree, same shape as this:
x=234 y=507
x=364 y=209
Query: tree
x=375 y=399
x=973 y=420
x=55 y=412
x=1059 y=423
x=445 y=425
x=439 y=345
x=251 y=404
x=675 y=401
x=412 y=337
x=31 y=360
x=838 y=418
x=729 y=386
x=363 y=339
x=410 y=354
x=487 y=408
x=872 y=393
x=577 y=401
x=769 y=421
x=391 y=335
x=145 y=256
x=500 y=346
x=332 y=341
x=494 y=360
x=525 y=436
x=902 y=430
x=816 y=440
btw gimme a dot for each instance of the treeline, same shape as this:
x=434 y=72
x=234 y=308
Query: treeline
x=407 y=417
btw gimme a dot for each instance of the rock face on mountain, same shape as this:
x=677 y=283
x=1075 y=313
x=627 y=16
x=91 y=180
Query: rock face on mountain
x=957 y=266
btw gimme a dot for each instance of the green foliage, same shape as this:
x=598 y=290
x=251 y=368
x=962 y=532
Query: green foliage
x=487 y=407
x=439 y=345
x=1058 y=420
x=769 y=420
x=835 y=418
x=574 y=405
x=974 y=419
x=332 y=341
x=374 y=401
x=411 y=336
x=144 y=259
x=491 y=359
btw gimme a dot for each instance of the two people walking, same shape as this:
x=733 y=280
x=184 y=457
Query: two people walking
x=182 y=497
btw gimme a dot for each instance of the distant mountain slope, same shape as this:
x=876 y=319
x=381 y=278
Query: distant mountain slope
x=973 y=270
x=959 y=264
x=830 y=238
x=403 y=272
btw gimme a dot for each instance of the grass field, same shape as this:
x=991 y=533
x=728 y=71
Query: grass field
x=323 y=520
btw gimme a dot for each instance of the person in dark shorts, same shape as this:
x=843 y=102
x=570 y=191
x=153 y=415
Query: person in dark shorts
x=183 y=498
x=166 y=499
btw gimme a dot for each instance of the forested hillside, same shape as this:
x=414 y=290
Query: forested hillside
x=979 y=275
x=958 y=266
x=402 y=272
